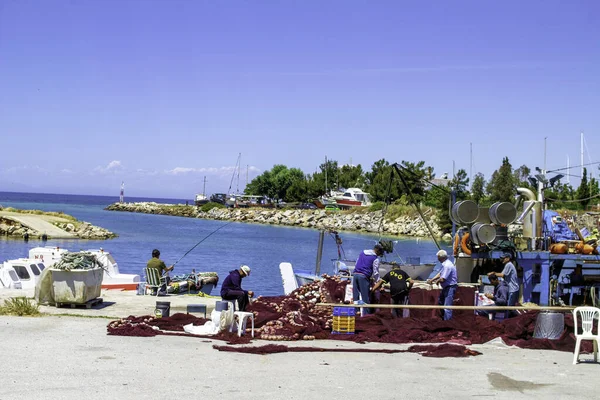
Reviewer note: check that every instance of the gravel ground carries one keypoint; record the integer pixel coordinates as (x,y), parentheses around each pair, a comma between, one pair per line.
(58,357)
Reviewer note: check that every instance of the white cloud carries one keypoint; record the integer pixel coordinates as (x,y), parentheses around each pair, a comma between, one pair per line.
(113,166)
(66,171)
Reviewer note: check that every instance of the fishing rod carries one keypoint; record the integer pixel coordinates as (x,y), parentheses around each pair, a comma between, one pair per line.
(206,237)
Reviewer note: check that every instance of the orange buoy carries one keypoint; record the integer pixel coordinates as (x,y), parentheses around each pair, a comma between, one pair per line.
(464,244)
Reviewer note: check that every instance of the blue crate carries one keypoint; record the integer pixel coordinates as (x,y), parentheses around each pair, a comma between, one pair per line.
(344,311)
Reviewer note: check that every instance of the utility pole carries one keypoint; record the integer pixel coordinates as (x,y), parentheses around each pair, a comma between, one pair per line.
(471,165)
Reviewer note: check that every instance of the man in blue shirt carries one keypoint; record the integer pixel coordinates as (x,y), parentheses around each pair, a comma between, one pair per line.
(509,274)
(367,268)
(448,280)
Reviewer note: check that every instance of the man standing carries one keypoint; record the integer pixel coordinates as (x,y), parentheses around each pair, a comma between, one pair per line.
(509,274)
(500,296)
(367,268)
(400,285)
(157,263)
(448,279)
(232,287)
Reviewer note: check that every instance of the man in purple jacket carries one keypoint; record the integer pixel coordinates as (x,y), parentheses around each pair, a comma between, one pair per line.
(232,287)
(367,268)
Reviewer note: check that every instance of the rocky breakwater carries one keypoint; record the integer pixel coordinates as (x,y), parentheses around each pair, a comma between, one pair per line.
(35,223)
(318,219)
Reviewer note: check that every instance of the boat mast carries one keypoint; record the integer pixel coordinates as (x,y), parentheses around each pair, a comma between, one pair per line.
(204,187)
(325,175)
(582,154)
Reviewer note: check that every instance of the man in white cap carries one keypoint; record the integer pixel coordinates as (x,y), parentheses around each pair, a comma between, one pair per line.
(232,287)
(448,280)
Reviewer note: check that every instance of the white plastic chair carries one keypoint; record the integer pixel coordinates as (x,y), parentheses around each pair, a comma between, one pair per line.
(241,317)
(588,315)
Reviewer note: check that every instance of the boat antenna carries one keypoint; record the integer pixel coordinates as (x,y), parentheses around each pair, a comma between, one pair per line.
(203,239)
(397,167)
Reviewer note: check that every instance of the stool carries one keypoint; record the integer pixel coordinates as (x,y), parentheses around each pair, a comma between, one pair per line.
(242,317)
(197,308)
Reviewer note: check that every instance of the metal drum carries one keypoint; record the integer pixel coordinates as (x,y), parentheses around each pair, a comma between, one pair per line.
(503,213)
(483,233)
(549,325)
(465,212)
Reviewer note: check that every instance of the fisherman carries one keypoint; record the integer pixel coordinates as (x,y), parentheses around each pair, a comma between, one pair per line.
(500,296)
(448,280)
(400,285)
(509,274)
(156,262)
(232,287)
(365,270)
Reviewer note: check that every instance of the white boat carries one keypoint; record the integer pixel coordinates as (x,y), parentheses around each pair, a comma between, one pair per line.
(22,273)
(200,199)
(113,279)
(353,197)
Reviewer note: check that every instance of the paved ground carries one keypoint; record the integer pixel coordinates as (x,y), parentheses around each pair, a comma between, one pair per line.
(68,357)
(40,223)
(64,357)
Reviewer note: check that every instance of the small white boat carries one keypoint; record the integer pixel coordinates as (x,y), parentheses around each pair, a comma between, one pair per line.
(22,273)
(353,197)
(113,279)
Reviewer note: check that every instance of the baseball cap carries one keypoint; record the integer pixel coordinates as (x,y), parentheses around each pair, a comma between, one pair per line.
(246,269)
(506,255)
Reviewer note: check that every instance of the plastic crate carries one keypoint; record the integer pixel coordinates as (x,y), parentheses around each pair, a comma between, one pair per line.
(343,325)
(344,311)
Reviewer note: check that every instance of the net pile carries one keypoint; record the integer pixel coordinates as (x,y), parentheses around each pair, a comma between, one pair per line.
(296,317)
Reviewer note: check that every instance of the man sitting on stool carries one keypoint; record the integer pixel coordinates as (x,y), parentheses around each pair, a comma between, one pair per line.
(500,296)
(232,287)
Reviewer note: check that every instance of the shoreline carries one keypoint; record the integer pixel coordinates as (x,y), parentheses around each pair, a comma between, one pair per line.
(17,223)
(365,222)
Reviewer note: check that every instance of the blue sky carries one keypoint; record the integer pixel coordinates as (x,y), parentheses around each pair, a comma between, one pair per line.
(160,94)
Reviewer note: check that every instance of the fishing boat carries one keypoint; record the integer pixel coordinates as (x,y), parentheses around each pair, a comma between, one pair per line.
(21,273)
(201,198)
(353,197)
(345,267)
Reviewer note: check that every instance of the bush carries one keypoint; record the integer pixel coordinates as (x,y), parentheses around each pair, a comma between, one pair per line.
(210,205)
(19,306)
(377,206)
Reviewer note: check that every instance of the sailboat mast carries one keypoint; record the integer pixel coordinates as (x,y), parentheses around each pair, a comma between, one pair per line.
(204,187)
(582,154)
(325,175)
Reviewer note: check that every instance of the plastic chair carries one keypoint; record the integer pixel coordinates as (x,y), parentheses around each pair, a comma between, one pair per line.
(154,280)
(242,317)
(588,315)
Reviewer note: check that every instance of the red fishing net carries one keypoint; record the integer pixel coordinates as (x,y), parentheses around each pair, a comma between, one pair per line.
(296,317)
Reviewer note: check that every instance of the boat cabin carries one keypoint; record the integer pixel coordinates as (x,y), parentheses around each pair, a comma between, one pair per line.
(22,273)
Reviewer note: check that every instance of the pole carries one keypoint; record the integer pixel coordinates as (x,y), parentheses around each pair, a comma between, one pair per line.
(325,175)
(545,154)
(204,187)
(319,253)
(568,171)
(471,166)
(397,168)
(582,154)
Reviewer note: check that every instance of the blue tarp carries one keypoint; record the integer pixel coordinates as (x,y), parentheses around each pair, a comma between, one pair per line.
(559,230)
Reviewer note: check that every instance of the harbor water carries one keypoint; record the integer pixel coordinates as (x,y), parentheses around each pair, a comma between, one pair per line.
(262,247)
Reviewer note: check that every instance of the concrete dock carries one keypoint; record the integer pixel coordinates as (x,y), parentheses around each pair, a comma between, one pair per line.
(64,357)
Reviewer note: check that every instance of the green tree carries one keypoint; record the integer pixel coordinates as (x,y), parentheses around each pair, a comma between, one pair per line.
(441,198)
(501,186)
(477,188)
(583,192)
(351,176)
(521,176)
(276,182)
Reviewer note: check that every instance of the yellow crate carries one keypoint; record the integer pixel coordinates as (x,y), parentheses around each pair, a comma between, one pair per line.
(343,324)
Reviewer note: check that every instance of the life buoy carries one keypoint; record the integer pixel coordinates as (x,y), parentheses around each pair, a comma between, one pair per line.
(464,244)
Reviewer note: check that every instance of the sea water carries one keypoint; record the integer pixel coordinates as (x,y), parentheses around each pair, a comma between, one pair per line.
(262,247)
